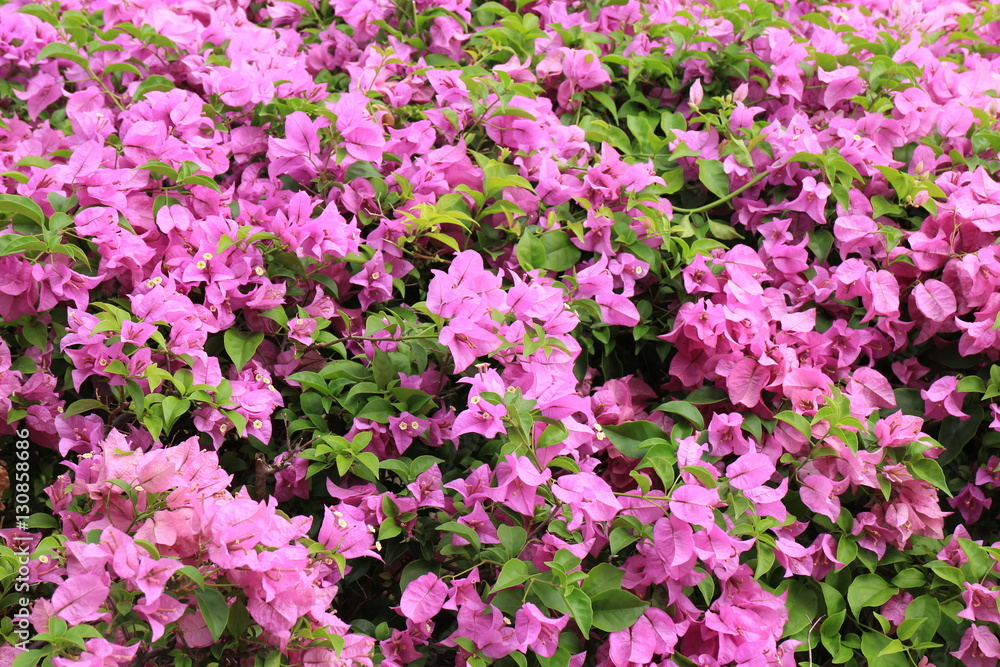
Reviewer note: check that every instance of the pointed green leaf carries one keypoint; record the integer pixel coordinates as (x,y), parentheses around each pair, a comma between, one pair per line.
(241,346)
(64,51)
(22,206)
(713,176)
(581,609)
(513,573)
(214,610)
(530,252)
(616,610)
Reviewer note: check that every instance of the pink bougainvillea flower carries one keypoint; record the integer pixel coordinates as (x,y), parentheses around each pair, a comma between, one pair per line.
(482,417)
(79,599)
(694,504)
(979,648)
(745,380)
(301,329)
(479,521)
(517,484)
(821,494)
(99,653)
(345,531)
(971,502)
(467,341)
(423,598)
(871,388)
(588,497)
(750,471)
(537,631)
(980,603)
(935,300)
(943,398)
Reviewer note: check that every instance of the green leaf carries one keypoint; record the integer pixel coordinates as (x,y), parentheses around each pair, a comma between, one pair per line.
(553,434)
(377,410)
(947,572)
(16,176)
(765,560)
(580,608)
(686,410)
(706,396)
(868,590)
(153,424)
(160,169)
(382,369)
(64,51)
(980,561)
(238,419)
(173,408)
(30,657)
(608,103)
(239,618)
(513,538)
(40,11)
(311,380)
(930,470)
(616,610)
(832,598)
(620,538)
(796,421)
(115,68)
(873,644)
(955,433)
(36,334)
(192,573)
(908,627)
(928,609)
(802,606)
(847,550)
(241,347)
(203,180)
(560,254)
(663,460)
(909,401)
(702,475)
(514,573)
(461,530)
(151,83)
(603,577)
(633,438)
(84,404)
(911,577)
(972,383)
(42,521)
(214,610)
(33,161)
(831,626)
(894,646)
(370,464)
(445,239)
(22,206)
(713,176)
(530,252)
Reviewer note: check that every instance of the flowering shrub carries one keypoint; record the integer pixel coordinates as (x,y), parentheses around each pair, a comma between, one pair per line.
(360,332)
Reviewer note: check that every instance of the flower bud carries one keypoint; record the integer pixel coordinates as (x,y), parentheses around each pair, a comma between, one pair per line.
(697,93)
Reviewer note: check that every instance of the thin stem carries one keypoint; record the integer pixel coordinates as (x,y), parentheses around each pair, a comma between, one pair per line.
(398,339)
(754,181)
(107,91)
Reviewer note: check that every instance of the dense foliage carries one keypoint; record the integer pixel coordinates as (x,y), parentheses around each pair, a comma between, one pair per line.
(432,332)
